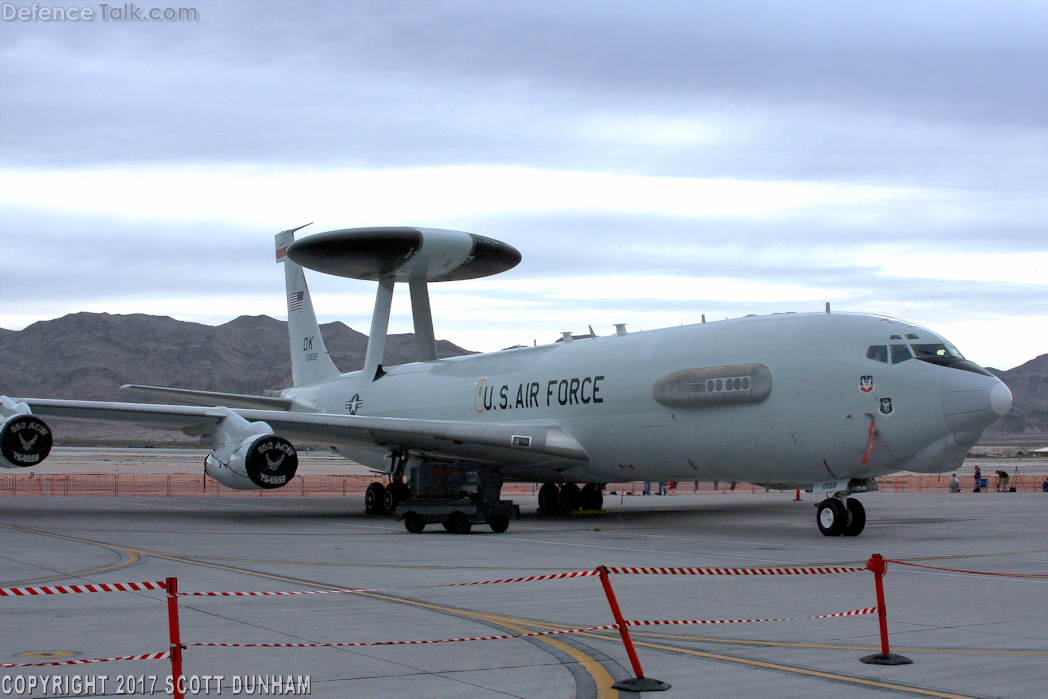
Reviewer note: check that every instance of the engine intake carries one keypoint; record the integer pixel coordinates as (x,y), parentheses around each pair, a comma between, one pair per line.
(260,462)
(25,440)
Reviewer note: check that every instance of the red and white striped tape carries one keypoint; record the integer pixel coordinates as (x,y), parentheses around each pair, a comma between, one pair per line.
(735,571)
(868,610)
(148,656)
(608,627)
(530,578)
(69,589)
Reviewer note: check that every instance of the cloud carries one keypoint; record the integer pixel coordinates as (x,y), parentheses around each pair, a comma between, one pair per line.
(653,162)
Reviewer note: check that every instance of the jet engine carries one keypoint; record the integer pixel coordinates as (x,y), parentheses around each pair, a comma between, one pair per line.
(25,439)
(250,456)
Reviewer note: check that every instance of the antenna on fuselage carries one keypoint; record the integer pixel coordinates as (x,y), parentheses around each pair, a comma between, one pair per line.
(414,255)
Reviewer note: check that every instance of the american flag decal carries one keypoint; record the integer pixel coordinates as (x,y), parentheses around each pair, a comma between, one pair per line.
(294,301)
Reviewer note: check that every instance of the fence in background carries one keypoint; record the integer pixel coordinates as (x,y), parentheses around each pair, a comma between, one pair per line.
(196,485)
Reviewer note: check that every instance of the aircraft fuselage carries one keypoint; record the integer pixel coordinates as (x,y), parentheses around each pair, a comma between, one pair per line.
(814,425)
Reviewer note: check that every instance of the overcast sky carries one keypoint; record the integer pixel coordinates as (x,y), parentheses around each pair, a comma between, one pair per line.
(652,161)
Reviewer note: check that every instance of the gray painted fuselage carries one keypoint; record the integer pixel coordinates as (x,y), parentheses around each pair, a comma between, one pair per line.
(815,425)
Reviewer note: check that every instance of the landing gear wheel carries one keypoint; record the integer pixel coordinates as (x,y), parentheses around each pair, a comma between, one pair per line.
(389,501)
(413,523)
(498,523)
(832,517)
(373,498)
(592,498)
(549,497)
(458,523)
(570,498)
(856,518)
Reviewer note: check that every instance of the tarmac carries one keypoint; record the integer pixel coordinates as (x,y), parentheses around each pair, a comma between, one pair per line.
(968,635)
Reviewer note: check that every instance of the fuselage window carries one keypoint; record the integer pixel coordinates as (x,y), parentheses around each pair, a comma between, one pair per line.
(931,350)
(878,353)
(900,353)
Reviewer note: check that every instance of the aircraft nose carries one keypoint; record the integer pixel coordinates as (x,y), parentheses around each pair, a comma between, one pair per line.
(1000,399)
(973,401)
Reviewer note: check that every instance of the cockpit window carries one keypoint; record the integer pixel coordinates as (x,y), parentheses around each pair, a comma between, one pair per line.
(895,337)
(932,350)
(878,353)
(900,353)
(911,336)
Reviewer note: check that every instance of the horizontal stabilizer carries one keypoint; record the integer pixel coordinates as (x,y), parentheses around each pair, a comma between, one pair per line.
(230,400)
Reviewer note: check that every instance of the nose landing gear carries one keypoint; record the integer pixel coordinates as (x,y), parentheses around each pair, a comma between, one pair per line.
(836,518)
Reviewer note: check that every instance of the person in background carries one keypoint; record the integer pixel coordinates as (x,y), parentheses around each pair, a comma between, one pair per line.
(1044,486)
(978,479)
(647,488)
(1002,481)
(662,488)
(955,484)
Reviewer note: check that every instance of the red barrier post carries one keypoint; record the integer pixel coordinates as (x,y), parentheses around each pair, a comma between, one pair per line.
(878,566)
(640,683)
(176,642)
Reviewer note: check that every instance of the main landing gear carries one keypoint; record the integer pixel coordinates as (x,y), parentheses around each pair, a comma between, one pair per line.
(383,499)
(567,498)
(836,518)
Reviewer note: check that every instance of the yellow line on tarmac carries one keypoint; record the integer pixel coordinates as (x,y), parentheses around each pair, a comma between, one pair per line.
(795,670)
(785,644)
(132,558)
(600,676)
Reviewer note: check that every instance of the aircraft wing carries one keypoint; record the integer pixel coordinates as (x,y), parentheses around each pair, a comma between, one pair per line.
(193,397)
(494,442)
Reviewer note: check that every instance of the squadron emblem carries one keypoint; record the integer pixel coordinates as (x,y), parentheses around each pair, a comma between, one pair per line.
(886,406)
(865,384)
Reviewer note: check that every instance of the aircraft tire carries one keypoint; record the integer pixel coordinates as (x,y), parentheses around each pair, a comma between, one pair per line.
(373,498)
(832,517)
(390,499)
(592,498)
(570,498)
(413,523)
(458,523)
(549,497)
(498,523)
(856,518)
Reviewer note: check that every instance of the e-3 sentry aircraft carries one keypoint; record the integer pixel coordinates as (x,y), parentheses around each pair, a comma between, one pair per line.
(821,401)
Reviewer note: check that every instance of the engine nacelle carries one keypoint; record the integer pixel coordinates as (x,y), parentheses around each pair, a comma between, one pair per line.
(25,440)
(260,462)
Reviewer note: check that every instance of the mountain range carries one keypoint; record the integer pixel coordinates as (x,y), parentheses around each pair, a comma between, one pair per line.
(89,356)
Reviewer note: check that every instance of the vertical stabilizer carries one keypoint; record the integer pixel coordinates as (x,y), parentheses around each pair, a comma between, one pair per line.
(310,362)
